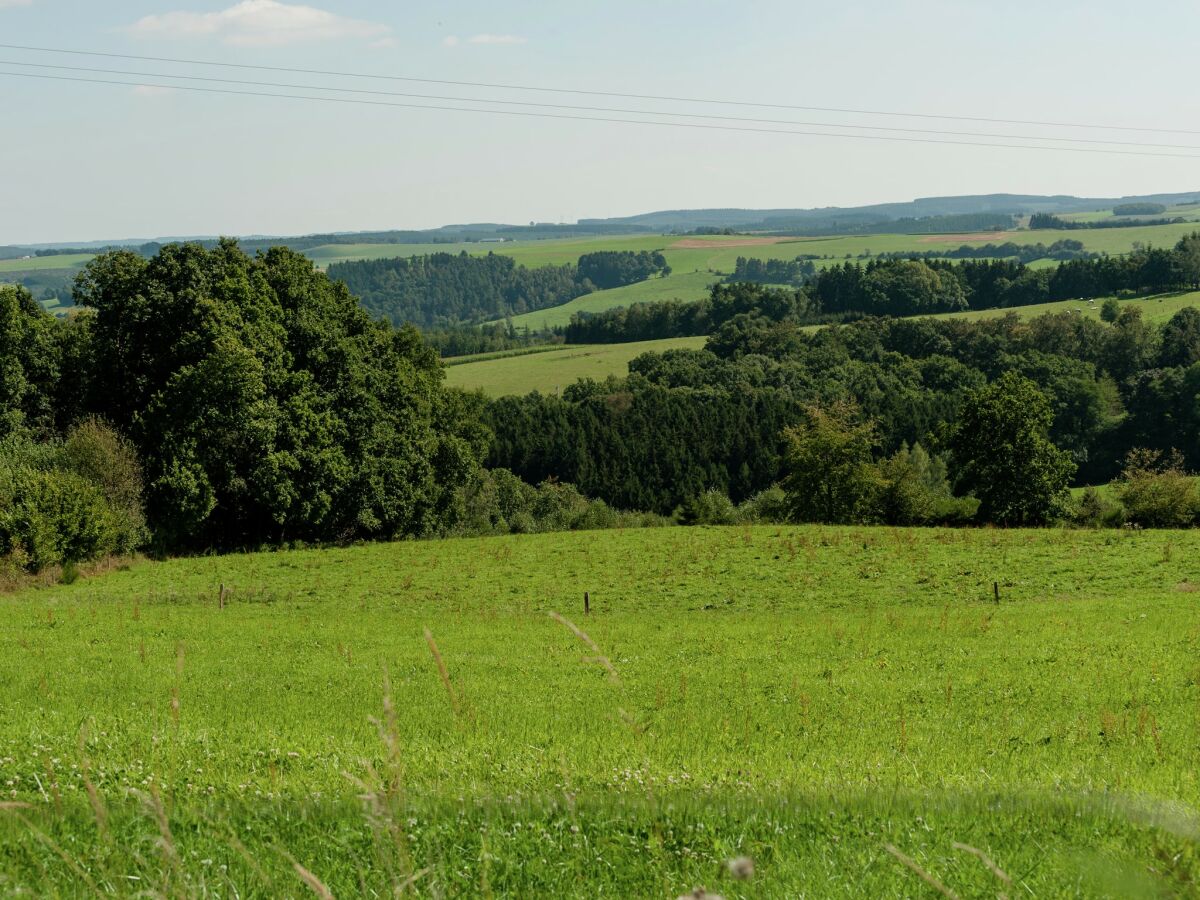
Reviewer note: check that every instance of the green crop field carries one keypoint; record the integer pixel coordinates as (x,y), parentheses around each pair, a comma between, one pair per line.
(803,696)
(553,370)
(43,263)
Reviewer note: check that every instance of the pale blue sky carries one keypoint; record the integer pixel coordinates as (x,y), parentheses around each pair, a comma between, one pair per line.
(88,161)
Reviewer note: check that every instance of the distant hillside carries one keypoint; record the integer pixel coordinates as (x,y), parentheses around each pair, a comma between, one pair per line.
(921,216)
(818,219)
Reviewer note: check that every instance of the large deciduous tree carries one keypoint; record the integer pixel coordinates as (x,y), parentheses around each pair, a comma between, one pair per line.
(266,404)
(1002,454)
(829,472)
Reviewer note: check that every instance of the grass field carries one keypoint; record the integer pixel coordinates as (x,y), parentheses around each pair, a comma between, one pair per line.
(1157,309)
(802,696)
(1190,211)
(689,286)
(554,370)
(44,263)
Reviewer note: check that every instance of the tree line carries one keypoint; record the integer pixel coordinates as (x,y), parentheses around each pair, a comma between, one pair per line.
(906,287)
(1039,221)
(1060,251)
(687,421)
(444,290)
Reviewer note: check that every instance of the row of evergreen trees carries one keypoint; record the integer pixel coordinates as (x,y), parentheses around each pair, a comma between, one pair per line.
(444,290)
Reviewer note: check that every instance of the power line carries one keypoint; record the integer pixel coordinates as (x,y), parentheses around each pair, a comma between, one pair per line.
(557,90)
(602,119)
(603,109)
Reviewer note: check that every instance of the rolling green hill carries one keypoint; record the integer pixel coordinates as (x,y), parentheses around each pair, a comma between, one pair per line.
(802,696)
(553,370)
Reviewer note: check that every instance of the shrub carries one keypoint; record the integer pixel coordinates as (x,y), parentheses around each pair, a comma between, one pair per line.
(498,502)
(768,507)
(710,508)
(68,502)
(1094,510)
(95,451)
(54,516)
(1156,491)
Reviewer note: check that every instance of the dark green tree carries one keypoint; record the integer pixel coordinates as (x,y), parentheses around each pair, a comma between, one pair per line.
(1003,457)
(266,404)
(1181,339)
(829,473)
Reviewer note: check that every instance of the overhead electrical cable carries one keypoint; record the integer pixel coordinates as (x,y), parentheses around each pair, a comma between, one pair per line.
(602,119)
(602,109)
(596,93)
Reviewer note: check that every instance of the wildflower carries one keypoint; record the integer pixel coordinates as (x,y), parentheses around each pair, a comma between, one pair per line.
(741,868)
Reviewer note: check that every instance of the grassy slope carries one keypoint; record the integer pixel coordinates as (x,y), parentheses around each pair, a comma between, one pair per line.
(43,263)
(798,694)
(1156,309)
(553,370)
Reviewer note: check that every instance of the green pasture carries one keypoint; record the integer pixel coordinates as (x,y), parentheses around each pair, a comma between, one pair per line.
(1190,211)
(553,370)
(687,286)
(802,696)
(1157,309)
(44,263)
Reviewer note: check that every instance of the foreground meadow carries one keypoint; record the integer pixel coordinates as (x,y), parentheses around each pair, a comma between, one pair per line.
(274,724)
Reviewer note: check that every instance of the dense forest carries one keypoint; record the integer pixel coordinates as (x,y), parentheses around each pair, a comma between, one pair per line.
(905,287)
(798,271)
(1060,251)
(853,222)
(443,290)
(1049,221)
(263,402)
(687,421)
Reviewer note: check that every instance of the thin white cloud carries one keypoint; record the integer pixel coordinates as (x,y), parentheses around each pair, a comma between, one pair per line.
(259,23)
(450,40)
(6,3)
(495,39)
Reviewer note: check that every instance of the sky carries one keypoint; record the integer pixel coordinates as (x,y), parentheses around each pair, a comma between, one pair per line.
(82,160)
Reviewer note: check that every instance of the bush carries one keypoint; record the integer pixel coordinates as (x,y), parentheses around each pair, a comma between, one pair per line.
(96,452)
(766,507)
(54,516)
(1094,510)
(1156,491)
(68,502)
(498,502)
(710,508)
